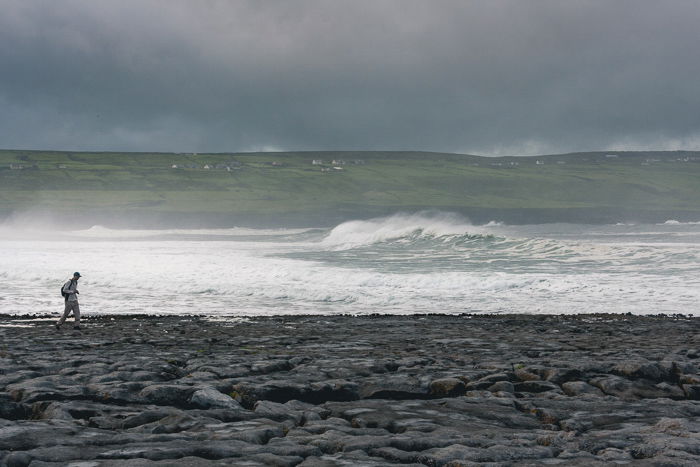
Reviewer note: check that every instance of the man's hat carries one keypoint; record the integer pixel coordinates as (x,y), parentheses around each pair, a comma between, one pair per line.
(77,274)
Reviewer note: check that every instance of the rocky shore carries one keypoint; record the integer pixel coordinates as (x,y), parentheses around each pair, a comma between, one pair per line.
(351,391)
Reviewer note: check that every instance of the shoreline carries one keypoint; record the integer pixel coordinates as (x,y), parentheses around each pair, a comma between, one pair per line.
(372,390)
(97,316)
(147,220)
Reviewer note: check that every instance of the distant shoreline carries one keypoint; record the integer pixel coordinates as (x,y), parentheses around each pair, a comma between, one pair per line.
(325,219)
(292,189)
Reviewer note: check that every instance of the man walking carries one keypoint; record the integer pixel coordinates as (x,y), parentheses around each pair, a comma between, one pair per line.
(70,291)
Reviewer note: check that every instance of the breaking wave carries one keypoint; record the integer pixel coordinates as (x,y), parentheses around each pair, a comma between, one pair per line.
(406,263)
(675,222)
(404,228)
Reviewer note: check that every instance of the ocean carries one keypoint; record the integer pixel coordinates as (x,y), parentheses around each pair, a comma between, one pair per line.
(401,264)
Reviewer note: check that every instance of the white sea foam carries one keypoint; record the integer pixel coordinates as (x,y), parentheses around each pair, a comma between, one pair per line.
(399,264)
(366,232)
(98,231)
(675,222)
(50,232)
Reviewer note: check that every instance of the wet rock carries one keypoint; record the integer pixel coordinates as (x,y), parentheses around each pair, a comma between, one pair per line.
(274,366)
(277,411)
(639,389)
(578,388)
(207,398)
(485,382)
(447,387)
(287,448)
(154,452)
(394,455)
(148,416)
(11,410)
(536,386)
(525,374)
(167,394)
(17,459)
(643,451)
(52,411)
(335,441)
(689,379)
(397,388)
(502,386)
(254,431)
(275,391)
(331,423)
(642,370)
(498,453)
(332,390)
(560,376)
(692,391)
(314,461)
(45,388)
(343,390)
(174,423)
(277,461)
(615,455)
(26,436)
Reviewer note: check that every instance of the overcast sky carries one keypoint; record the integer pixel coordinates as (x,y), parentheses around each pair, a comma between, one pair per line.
(482,77)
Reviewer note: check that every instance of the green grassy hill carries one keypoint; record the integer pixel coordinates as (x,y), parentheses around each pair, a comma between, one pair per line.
(282,187)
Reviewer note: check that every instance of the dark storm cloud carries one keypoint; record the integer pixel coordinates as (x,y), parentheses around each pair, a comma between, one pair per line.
(483,77)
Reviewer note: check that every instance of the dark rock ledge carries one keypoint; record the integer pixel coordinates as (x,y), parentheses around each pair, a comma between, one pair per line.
(351,391)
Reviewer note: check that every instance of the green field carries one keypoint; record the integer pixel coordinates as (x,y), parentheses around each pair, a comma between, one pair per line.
(654,185)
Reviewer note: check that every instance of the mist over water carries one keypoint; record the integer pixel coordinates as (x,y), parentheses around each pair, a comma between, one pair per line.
(402,264)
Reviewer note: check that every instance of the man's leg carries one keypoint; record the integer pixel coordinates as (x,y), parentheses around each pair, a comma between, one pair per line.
(76,313)
(66,312)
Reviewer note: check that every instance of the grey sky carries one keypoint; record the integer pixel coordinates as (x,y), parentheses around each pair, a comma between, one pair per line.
(482,77)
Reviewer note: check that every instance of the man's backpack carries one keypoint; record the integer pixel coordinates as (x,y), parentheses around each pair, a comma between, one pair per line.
(64,294)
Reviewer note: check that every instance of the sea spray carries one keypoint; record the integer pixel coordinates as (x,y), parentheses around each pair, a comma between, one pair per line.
(400,226)
(401,264)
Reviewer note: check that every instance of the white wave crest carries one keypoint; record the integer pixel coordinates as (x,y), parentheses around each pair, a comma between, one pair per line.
(675,222)
(383,229)
(525,273)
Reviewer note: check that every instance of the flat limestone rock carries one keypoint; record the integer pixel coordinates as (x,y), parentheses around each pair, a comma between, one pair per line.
(207,398)
(462,390)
